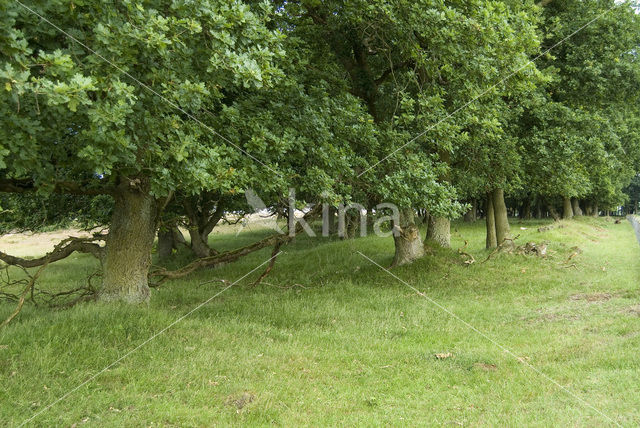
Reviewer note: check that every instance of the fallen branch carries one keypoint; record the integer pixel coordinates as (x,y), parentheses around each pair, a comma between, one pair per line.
(27,289)
(499,247)
(272,262)
(471,260)
(277,239)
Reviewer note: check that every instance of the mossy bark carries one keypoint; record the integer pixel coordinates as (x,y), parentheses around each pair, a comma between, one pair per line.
(439,231)
(128,247)
(200,243)
(406,236)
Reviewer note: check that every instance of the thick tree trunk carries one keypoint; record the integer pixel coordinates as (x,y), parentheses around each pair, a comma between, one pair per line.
(165,244)
(553,212)
(406,236)
(439,231)
(588,208)
(199,243)
(595,212)
(128,248)
(575,205)
(491,240)
(567,209)
(501,218)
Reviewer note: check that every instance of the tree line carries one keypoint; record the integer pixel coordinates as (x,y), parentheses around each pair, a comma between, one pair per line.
(143,116)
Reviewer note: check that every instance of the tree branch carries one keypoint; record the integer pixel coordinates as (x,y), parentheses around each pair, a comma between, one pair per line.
(71,188)
(275,240)
(63,250)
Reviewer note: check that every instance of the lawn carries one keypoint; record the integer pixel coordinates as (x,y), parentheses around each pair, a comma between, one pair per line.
(330,339)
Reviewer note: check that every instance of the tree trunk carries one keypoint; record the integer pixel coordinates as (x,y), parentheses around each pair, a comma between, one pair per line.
(567,209)
(538,210)
(553,212)
(491,240)
(575,205)
(439,231)
(525,210)
(596,212)
(472,215)
(165,244)
(199,243)
(128,247)
(332,225)
(406,236)
(500,214)
(588,208)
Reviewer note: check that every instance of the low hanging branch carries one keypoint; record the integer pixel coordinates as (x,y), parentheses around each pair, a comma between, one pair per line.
(62,250)
(275,240)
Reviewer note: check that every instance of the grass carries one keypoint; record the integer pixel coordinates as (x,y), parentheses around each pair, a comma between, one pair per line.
(330,339)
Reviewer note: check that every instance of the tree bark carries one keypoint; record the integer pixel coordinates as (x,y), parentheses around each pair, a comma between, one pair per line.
(199,243)
(595,212)
(575,205)
(439,231)
(333,228)
(128,249)
(406,236)
(567,209)
(500,214)
(553,212)
(491,241)
(525,210)
(165,244)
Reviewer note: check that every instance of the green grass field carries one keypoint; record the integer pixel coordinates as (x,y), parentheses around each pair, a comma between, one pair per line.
(330,339)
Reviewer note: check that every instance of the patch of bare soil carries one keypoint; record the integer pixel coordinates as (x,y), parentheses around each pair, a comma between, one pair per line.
(486,367)
(633,310)
(591,297)
(241,400)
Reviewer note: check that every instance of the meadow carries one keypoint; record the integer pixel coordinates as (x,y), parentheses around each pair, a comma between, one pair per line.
(328,338)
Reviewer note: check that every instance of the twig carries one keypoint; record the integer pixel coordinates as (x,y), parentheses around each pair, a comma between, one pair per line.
(23,295)
(499,247)
(471,259)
